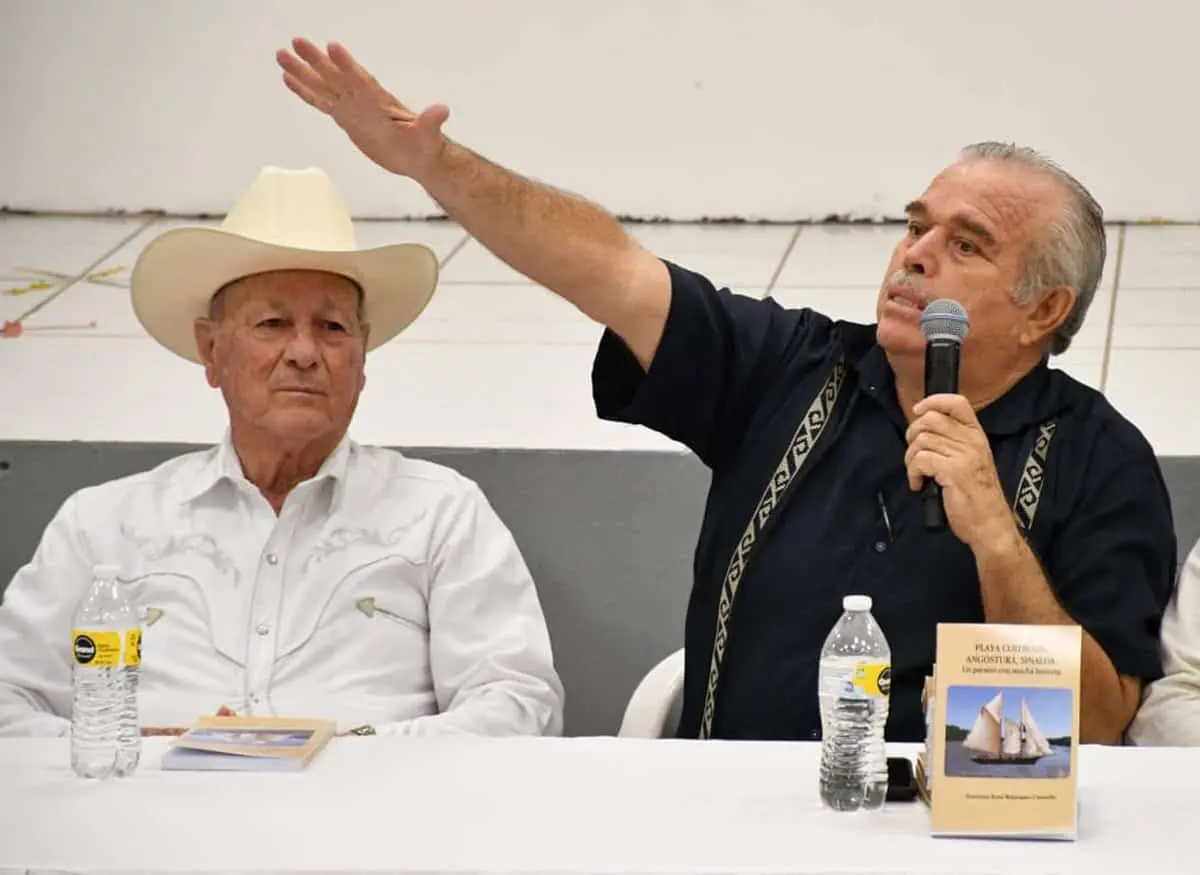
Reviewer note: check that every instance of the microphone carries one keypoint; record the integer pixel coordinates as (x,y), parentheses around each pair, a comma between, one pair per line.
(945,325)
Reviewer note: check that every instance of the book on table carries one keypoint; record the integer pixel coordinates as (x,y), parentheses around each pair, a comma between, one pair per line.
(1002,757)
(249,744)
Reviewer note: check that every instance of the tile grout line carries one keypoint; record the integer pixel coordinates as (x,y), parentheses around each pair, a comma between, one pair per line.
(787,253)
(1112,310)
(454,250)
(74,281)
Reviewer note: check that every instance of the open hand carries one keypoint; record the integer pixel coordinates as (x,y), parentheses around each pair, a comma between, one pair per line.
(384,129)
(947,443)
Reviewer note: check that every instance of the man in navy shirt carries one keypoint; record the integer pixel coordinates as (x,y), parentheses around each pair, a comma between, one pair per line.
(1056,506)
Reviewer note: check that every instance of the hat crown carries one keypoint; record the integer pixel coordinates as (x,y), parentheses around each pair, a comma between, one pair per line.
(300,209)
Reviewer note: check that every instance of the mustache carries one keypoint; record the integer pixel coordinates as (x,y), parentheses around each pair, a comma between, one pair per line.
(913,282)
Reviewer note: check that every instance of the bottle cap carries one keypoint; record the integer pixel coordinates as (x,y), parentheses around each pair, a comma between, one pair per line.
(106,572)
(856,603)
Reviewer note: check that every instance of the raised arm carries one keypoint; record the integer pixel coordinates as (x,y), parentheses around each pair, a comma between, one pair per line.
(561,241)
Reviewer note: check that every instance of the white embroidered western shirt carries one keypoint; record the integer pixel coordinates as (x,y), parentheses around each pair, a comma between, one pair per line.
(387,592)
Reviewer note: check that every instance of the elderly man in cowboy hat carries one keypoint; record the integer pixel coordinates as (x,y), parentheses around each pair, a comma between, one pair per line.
(289,570)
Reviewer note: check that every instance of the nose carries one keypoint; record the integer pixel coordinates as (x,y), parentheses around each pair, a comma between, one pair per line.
(920,256)
(301,351)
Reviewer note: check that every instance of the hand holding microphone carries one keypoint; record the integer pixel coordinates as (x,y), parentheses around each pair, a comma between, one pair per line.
(949,458)
(945,325)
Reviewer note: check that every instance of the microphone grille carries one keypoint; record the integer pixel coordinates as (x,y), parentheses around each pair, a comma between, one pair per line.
(945,319)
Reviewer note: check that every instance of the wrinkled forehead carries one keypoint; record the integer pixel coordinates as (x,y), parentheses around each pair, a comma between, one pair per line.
(1012,201)
(290,289)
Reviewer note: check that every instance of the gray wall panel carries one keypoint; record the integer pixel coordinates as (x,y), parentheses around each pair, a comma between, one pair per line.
(608,535)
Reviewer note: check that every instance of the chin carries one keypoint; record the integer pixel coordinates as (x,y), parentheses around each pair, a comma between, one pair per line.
(297,423)
(899,338)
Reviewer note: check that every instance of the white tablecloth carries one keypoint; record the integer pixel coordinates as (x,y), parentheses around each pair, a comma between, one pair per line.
(559,806)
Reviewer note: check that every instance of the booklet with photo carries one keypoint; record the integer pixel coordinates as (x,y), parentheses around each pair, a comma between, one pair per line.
(249,744)
(1003,754)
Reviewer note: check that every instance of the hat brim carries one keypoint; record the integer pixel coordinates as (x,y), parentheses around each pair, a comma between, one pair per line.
(177,274)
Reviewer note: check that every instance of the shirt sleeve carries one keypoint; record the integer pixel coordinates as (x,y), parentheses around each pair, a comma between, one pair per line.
(35,631)
(489,647)
(716,359)
(1113,563)
(1170,709)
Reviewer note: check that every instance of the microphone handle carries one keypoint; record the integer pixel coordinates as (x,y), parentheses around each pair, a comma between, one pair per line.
(941,377)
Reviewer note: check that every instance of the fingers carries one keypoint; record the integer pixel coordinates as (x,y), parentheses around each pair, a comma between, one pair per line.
(341,58)
(936,422)
(325,80)
(920,466)
(927,456)
(312,77)
(317,60)
(931,442)
(303,80)
(954,406)
(306,94)
(969,434)
(357,77)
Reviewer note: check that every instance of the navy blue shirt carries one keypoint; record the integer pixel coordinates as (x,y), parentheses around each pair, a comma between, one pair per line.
(732,377)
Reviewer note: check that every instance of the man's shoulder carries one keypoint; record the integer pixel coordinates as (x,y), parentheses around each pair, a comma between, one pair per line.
(800,319)
(1100,423)
(149,486)
(393,471)
(395,489)
(1105,460)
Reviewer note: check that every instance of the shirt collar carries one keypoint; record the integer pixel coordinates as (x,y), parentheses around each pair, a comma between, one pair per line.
(1028,402)
(222,466)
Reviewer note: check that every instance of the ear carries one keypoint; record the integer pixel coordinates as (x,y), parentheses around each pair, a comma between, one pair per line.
(205,332)
(1047,312)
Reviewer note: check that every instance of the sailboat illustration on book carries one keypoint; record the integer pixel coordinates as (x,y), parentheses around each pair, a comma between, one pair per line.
(996,739)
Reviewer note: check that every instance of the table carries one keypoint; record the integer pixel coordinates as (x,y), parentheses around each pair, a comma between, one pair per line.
(562,806)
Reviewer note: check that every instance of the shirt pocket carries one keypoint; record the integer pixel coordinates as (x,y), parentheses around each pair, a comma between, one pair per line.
(189,608)
(369,628)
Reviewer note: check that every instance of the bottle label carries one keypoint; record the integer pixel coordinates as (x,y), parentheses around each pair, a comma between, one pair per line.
(873,679)
(133,647)
(107,648)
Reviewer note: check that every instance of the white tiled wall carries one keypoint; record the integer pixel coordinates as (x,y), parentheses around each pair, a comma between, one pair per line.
(496,361)
(683,109)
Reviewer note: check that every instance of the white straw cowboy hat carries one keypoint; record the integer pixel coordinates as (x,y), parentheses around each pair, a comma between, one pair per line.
(286,220)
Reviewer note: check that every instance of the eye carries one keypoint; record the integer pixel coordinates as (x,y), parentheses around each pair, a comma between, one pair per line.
(335,326)
(914,230)
(965,247)
(271,322)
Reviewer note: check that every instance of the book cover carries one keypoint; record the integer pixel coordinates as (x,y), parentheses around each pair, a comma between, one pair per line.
(249,744)
(1004,751)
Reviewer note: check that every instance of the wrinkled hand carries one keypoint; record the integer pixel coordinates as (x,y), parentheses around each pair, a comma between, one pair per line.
(946,442)
(384,129)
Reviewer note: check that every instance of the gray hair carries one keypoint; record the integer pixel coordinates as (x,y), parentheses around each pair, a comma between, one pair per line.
(1071,254)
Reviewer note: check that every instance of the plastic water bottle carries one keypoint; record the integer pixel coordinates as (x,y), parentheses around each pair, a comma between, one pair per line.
(854,689)
(106,645)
